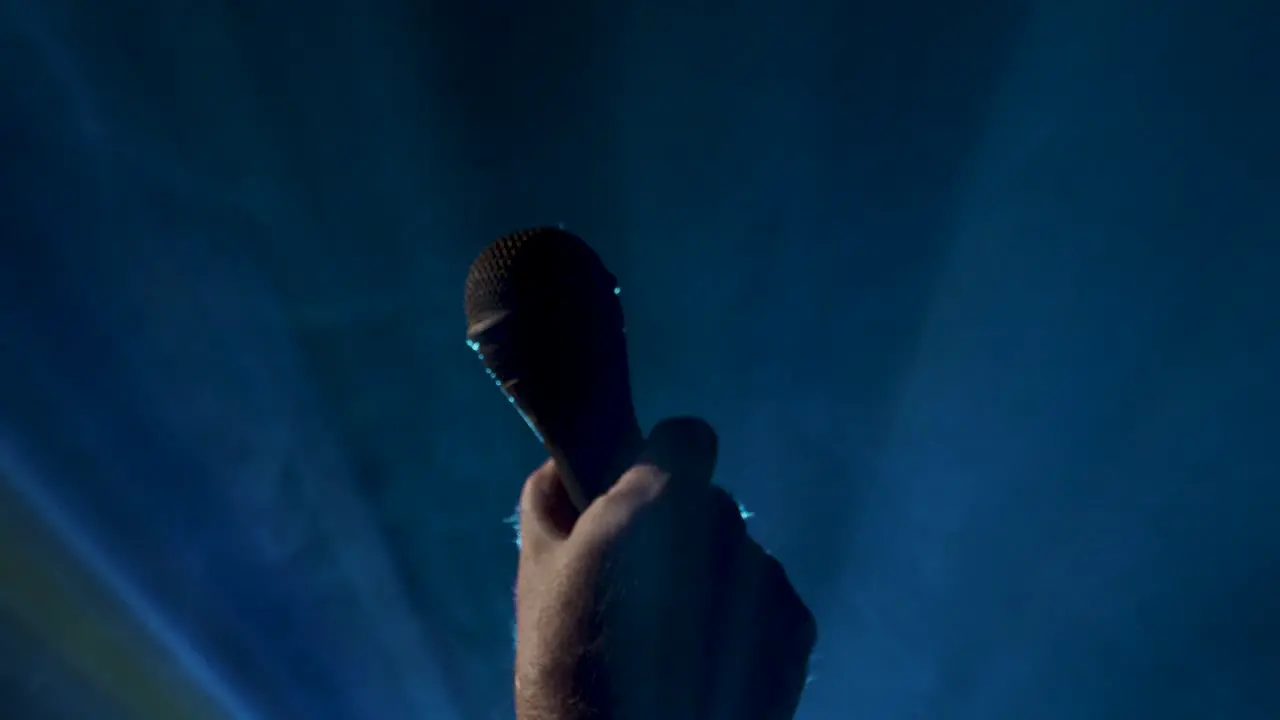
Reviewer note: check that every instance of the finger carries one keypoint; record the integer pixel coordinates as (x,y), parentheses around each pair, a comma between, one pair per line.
(765,631)
(653,526)
(784,643)
(547,514)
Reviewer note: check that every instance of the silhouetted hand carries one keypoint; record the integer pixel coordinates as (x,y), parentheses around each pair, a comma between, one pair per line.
(654,604)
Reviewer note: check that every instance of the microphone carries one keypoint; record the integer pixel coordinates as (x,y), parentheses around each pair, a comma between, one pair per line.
(544,315)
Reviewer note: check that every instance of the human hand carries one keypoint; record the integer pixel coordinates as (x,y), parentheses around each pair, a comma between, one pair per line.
(654,603)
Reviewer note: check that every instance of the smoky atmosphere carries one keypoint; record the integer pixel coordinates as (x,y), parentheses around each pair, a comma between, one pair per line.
(981,299)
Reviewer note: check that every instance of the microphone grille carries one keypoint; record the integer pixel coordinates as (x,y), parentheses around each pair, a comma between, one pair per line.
(537,267)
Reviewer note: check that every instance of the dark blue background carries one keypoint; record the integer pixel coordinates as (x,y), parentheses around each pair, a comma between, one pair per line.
(981,297)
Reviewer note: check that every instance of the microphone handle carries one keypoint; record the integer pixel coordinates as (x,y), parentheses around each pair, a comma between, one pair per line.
(573,390)
(592,457)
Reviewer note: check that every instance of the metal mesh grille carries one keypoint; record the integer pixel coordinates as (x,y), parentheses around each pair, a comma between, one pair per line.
(530,268)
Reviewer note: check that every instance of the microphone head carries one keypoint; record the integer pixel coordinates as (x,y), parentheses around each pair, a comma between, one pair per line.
(544,315)
(548,273)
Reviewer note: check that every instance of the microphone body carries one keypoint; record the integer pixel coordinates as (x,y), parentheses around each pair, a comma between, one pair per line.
(545,317)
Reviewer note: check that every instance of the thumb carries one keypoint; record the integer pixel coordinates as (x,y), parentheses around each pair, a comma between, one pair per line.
(676,463)
(684,448)
(547,514)
(674,467)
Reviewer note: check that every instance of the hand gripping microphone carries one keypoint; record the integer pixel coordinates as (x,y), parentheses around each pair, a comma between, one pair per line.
(544,315)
